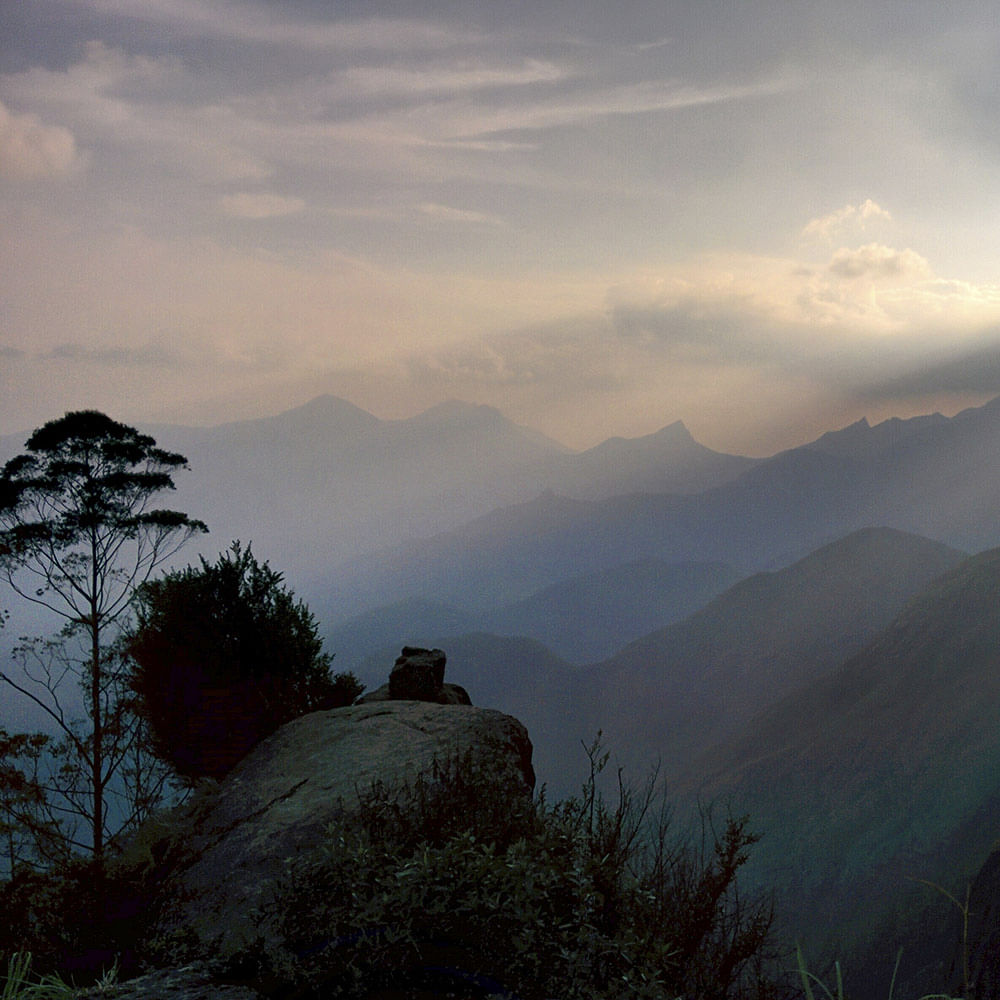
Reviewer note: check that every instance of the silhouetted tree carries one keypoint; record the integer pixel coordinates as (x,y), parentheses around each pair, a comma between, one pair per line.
(224,655)
(78,533)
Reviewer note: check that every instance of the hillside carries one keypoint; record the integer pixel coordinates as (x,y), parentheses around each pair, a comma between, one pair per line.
(582,620)
(591,617)
(678,690)
(886,768)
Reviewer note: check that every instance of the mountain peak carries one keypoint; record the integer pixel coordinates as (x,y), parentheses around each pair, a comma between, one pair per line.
(458,409)
(676,432)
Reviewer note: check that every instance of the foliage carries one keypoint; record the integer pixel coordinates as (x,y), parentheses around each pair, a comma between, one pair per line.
(46,782)
(77,534)
(78,921)
(812,983)
(28,831)
(579,900)
(224,655)
(20,984)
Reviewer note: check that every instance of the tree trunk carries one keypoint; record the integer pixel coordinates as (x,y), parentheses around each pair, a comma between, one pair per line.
(97,754)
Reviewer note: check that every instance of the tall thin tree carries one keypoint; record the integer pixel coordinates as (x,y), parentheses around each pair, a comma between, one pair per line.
(78,533)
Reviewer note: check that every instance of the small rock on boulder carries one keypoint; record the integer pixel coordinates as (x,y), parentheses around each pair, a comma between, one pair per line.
(418,675)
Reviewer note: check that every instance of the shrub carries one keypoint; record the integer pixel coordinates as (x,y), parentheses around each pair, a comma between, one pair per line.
(224,655)
(77,921)
(432,887)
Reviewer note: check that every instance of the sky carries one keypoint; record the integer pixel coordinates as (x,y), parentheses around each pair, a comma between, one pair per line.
(766,219)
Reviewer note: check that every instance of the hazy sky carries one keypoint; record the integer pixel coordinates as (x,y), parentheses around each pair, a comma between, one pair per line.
(765,219)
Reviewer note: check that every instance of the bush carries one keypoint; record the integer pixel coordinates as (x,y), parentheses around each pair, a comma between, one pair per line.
(224,655)
(432,889)
(78,921)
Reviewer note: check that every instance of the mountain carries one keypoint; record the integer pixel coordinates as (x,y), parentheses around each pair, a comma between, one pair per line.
(931,476)
(315,484)
(883,770)
(591,617)
(668,461)
(671,694)
(582,620)
(326,481)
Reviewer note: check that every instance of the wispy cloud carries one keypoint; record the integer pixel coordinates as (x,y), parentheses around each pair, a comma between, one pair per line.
(30,149)
(627,100)
(248,205)
(248,21)
(446,213)
(460,76)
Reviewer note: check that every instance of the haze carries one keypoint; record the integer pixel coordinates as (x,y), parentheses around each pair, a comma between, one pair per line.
(764,219)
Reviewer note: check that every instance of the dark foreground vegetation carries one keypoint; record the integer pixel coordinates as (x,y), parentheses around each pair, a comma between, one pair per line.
(442,885)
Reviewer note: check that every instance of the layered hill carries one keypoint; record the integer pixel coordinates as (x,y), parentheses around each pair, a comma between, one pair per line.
(931,475)
(674,692)
(885,769)
(581,620)
(327,480)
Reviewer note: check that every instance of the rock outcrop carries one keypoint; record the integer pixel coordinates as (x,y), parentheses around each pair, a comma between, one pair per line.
(418,675)
(191,982)
(226,856)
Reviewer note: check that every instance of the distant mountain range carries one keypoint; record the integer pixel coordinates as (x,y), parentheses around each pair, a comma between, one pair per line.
(581,620)
(931,476)
(318,484)
(672,694)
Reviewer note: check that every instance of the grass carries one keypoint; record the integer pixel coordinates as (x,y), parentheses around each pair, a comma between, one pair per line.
(812,983)
(20,983)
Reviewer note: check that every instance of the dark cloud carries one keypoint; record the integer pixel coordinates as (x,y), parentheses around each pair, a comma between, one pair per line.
(974,371)
(147,356)
(712,332)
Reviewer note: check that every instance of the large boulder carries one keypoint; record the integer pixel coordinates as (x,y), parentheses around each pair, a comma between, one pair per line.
(226,856)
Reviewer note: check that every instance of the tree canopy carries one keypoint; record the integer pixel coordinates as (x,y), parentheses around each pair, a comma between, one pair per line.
(78,533)
(224,654)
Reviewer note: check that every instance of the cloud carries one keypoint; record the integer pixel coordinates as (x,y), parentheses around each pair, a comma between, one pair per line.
(962,370)
(30,149)
(150,355)
(850,217)
(461,77)
(458,215)
(260,206)
(257,23)
(879,262)
(625,100)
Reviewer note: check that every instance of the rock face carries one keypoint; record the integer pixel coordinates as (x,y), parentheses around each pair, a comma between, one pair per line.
(226,853)
(193,982)
(418,675)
